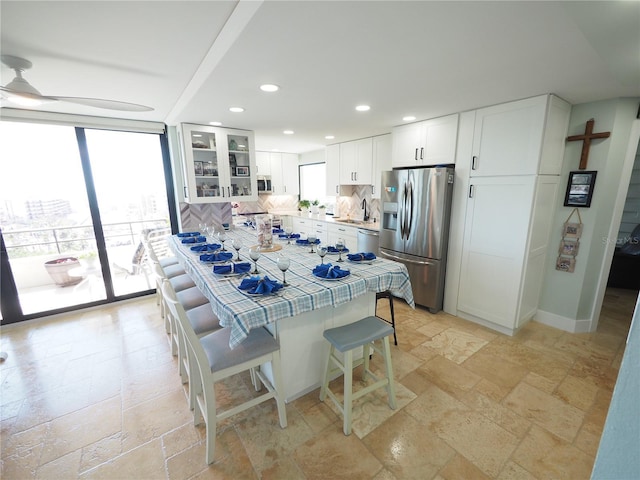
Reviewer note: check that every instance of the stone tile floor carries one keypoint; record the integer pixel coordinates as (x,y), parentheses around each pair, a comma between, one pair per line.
(96,394)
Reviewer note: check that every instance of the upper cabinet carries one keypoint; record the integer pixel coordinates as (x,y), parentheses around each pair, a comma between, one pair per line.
(263,163)
(218,164)
(284,174)
(381,161)
(421,144)
(520,138)
(356,159)
(332,169)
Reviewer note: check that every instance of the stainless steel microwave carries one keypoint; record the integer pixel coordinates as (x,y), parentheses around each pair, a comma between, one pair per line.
(264,184)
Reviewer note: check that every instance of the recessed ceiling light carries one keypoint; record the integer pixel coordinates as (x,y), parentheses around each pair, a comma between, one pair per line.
(330,137)
(216,124)
(236,109)
(363,108)
(408,118)
(269,87)
(288,132)
(197,135)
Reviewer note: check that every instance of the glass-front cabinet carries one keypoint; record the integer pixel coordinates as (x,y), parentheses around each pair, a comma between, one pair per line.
(219,164)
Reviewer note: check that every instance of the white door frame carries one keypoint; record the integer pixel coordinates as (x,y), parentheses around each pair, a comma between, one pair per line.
(625,177)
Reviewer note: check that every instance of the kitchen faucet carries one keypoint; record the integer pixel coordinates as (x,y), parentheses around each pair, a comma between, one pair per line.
(364,206)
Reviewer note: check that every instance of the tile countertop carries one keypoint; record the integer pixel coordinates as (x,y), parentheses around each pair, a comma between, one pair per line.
(375,226)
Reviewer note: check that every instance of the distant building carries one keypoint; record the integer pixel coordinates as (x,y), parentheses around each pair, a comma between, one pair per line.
(47,208)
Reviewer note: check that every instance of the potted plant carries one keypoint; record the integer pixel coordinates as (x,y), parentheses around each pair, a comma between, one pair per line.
(304,205)
(322,209)
(314,207)
(59,268)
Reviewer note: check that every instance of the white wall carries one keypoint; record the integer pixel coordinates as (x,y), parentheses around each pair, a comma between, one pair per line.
(571,298)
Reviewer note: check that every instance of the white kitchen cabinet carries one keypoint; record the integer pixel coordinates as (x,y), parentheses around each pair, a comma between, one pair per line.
(506,235)
(356,162)
(263,163)
(301,224)
(283,170)
(290,174)
(319,228)
(520,138)
(332,169)
(381,161)
(426,143)
(218,164)
(350,235)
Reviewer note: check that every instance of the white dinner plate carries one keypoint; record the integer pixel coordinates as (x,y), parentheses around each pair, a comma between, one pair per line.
(332,279)
(362,262)
(246,292)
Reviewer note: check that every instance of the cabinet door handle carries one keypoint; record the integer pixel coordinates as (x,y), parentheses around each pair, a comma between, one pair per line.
(415,157)
(337,187)
(421,153)
(470,191)
(373,189)
(355,176)
(185,192)
(474,161)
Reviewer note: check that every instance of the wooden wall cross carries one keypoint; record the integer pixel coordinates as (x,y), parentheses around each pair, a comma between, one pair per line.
(586,138)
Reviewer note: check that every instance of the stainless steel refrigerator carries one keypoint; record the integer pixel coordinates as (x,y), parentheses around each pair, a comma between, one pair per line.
(416,206)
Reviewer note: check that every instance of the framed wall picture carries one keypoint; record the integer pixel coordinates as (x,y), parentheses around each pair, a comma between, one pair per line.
(580,188)
(566,264)
(572,230)
(569,247)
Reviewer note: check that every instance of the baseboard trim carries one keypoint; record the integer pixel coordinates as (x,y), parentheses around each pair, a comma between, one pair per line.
(563,323)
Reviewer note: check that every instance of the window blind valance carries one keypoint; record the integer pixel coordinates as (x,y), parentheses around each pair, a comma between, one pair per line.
(86,121)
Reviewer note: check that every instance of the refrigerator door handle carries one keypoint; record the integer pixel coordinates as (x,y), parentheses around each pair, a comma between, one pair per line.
(410,201)
(404,196)
(400,259)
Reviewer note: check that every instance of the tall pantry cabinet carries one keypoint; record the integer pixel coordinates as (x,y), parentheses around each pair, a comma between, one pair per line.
(516,159)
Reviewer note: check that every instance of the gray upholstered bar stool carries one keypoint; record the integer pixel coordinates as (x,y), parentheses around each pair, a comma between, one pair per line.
(363,333)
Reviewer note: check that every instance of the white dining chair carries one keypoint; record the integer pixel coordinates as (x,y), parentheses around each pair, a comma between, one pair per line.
(210,359)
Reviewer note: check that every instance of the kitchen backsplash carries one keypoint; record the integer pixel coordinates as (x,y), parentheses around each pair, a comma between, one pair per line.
(191,215)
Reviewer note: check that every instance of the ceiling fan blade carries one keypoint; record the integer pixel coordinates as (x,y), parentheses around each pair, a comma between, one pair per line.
(108,104)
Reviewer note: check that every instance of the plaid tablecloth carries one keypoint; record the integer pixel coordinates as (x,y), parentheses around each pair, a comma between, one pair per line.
(242,312)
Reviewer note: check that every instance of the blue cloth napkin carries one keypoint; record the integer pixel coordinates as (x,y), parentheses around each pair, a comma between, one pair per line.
(210,247)
(330,271)
(293,235)
(332,249)
(277,230)
(358,257)
(306,242)
(243,267)
(188,234)
(198,239)
(216,257)
(257,285)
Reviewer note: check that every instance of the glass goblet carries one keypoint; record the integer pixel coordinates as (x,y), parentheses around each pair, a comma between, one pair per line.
(254,254)
(340,247)
(222,236)
(237,245)
(322,251)
(283,265)
(288,231)
(312,241)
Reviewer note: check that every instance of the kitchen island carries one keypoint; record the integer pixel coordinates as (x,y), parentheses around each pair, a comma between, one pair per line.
(300,312)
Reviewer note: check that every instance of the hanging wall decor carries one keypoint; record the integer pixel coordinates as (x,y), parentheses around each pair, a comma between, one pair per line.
(580,188)
(570,243)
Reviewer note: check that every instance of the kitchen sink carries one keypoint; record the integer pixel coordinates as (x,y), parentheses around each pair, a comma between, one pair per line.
(348,220)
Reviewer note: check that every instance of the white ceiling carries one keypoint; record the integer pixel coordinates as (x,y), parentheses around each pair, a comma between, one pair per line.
(192,60)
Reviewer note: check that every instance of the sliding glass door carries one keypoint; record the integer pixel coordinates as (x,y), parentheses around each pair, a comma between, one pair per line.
(73,206)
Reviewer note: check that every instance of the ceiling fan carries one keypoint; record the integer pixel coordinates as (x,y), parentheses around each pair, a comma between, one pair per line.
(21,92)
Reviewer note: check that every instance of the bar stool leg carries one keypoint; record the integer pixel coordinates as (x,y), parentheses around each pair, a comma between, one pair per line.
(387,364)
(325,377)
(348,390)
(393,319)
